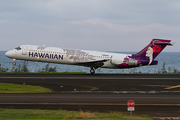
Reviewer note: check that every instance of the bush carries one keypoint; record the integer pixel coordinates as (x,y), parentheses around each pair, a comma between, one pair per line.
(21,68)
(48,69)
(3,69)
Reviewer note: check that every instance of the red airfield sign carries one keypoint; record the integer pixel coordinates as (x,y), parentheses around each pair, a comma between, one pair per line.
(131,103)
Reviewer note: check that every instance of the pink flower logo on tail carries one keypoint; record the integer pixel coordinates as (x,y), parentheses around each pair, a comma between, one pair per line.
(156,49)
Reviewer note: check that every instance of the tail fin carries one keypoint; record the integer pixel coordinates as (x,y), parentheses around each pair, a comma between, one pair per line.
(152,50)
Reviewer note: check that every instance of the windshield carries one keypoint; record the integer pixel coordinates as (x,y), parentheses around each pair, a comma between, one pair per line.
(18,48)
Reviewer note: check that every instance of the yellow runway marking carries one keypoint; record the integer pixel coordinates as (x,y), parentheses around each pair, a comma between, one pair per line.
(165,86)
(157,85)
(171,87)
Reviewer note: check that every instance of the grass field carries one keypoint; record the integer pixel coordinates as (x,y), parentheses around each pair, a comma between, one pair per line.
(64,72)
(27,114)
(15,88)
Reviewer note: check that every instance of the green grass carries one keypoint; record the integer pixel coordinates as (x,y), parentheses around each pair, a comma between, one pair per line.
(15,88)
(61,72)
(42,72)
(26,114)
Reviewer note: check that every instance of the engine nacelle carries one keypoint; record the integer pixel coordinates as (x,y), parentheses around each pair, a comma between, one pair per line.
(116,61)
(123,61)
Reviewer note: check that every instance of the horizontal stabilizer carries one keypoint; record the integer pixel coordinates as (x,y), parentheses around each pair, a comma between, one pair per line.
(162,43)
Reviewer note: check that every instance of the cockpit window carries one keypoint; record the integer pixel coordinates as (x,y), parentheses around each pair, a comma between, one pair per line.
(18,48)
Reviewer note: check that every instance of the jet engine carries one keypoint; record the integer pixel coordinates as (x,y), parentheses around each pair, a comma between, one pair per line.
(123,61)
(116,61)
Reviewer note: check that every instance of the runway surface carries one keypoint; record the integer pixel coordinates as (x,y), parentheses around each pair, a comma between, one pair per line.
(156,95)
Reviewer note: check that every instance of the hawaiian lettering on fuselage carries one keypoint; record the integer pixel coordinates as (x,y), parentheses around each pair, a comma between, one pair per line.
(46,55)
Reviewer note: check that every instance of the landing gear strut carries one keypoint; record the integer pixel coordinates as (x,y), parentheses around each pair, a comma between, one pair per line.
(14,63)
(92,71)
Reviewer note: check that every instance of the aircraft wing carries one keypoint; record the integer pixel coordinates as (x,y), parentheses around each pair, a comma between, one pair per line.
(94,63)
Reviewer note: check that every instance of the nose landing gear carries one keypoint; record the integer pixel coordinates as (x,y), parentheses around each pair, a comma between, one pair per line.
(14,63)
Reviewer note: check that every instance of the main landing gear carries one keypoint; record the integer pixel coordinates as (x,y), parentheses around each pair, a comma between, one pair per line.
(92,71)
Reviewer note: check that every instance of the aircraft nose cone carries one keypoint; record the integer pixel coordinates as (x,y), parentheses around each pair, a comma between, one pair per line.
(8,54)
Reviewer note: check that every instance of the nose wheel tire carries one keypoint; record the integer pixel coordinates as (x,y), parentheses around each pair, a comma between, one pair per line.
(92,71)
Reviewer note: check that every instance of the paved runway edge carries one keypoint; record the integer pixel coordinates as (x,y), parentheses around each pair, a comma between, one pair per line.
(99,104)
(154,94)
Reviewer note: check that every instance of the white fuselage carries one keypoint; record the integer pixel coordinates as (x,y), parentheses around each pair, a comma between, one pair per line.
(66,56)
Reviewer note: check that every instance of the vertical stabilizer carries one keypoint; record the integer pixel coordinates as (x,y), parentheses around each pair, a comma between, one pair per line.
(152,50)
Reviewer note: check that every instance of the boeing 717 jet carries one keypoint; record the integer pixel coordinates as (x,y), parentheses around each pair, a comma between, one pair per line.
(92,59)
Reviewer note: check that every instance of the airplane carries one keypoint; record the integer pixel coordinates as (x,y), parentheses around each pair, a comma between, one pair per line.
(92,59)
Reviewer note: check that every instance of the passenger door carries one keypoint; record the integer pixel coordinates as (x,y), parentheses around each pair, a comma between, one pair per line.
(24,50)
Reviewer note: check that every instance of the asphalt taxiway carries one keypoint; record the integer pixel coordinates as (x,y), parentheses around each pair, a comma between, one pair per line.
(154,94)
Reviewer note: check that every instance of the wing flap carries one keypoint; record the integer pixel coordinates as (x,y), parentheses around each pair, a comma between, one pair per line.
(93,64)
